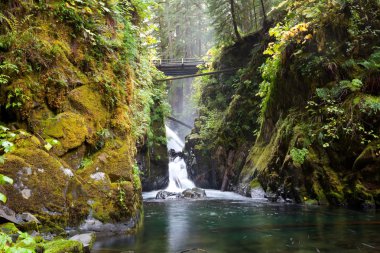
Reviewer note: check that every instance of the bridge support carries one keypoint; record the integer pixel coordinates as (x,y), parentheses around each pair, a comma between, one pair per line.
(179,122)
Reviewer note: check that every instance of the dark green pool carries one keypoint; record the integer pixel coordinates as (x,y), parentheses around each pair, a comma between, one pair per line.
(218,226)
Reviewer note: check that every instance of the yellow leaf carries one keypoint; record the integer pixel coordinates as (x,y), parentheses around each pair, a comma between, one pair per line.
(308,37)
(88,10)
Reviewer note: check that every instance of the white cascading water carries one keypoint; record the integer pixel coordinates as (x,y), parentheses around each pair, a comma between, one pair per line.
(178,178)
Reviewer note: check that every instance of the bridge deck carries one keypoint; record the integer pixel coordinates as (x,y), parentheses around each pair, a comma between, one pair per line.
(178,67)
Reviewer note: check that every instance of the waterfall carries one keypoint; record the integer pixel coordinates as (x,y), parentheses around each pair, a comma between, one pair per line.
(174,142)
(178,178)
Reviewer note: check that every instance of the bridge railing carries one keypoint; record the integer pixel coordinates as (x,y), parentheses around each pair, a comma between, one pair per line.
(192,61)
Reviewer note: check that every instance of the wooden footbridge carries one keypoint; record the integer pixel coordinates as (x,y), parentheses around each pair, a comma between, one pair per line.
(179,67)
(184,68)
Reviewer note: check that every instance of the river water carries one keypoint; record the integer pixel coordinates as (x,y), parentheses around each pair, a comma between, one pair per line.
(228,224)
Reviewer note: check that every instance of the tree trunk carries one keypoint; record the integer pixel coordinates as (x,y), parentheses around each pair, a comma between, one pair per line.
(234,23)
(227,172)
(255,13)
(264,13)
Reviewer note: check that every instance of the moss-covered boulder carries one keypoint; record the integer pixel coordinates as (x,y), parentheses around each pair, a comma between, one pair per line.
(68,128)
(88,102)
(113,184)
(40,183)
(63,246)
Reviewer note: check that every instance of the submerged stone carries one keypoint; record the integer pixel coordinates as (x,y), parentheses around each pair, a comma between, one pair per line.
(87,240)
(193,193)
(166,194)
(94,225)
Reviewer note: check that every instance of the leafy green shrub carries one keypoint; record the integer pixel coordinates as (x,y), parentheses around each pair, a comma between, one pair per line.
(373,62)
(24,244)
(50,143)
(6,142)
(298,155)
(136,177)
(6,70)
(4,180)
(87,161)
(16,98)
(370,105)
(331,117)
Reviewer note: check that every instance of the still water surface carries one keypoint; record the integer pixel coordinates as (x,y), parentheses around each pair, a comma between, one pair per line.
(240,225)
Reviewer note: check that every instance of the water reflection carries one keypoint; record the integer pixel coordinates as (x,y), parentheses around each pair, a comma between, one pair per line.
(178,229)
(218,226)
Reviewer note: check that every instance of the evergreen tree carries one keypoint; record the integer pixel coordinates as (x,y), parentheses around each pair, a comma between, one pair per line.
(184,29)
(234,18)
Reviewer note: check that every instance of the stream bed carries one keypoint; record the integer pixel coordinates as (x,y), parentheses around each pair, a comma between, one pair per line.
(226,222)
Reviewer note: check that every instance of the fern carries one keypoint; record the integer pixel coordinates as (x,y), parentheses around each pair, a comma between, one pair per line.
(15,25)
(373,62)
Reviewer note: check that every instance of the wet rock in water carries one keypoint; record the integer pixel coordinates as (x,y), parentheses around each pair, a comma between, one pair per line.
(86,239)
(271,196)
(94,225)
(166,194)
(173,154)
(194,193)
(257,193)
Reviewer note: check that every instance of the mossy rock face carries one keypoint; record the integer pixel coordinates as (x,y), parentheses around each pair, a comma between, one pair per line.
(28,141)
(153,162)
(40,182)
(75,103)
(362,194)
(88,102)
(69,128)
(59,79)
(63,246)
(368,162)
(115,159)
(75,156)
(110,183)
(121,122)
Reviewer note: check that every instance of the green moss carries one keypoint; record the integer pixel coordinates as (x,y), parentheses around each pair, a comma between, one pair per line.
(362,196)
(318,191)
(311,202)
(370,155)
(28,141)
(71,83)
(102,209)
(35,169)
(88,102)
(254,184)
(69,128)
(9,228)
(333,187)
(63,246)
(262,153)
